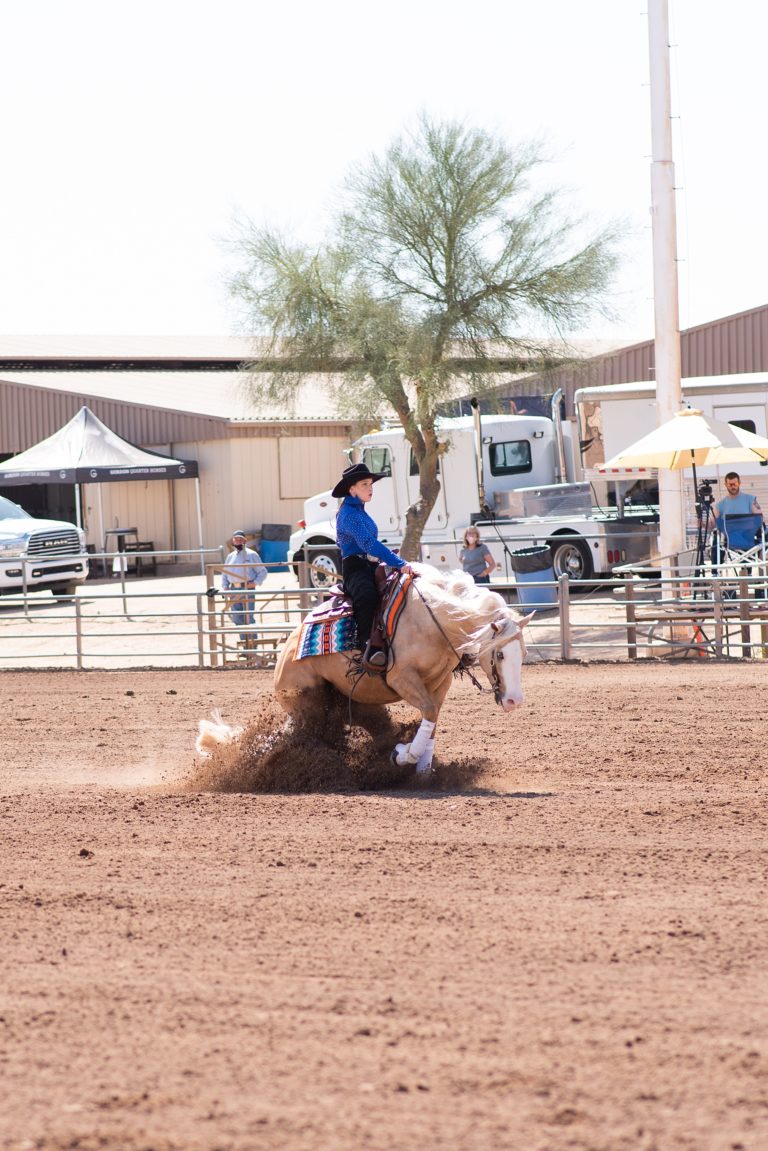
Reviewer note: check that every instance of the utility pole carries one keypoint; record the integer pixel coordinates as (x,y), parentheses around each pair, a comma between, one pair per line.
(664,232)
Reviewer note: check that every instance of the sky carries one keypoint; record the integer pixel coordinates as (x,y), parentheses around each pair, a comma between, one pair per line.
(135,135)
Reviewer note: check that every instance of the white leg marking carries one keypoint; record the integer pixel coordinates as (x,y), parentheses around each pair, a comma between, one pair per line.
(412,752)
(424,764)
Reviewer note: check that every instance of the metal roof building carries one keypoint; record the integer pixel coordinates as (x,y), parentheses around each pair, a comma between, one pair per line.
(185,398)
(734,344)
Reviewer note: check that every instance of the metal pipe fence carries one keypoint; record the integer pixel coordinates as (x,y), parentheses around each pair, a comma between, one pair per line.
(636,616)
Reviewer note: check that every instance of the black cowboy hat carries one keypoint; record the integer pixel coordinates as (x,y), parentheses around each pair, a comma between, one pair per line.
(353,475)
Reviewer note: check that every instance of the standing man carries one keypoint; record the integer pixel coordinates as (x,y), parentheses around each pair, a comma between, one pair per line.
(243,571)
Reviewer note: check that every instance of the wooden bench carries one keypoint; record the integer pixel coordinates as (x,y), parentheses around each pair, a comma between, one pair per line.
(262,645)
(260,649)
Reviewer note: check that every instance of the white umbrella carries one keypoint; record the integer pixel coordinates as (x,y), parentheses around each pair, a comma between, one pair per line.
(690,439)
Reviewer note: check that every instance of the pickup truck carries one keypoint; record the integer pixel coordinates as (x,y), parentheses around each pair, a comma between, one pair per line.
(39,554)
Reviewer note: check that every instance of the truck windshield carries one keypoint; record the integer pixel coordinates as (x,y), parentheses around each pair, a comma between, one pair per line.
(510,458)
(11,511)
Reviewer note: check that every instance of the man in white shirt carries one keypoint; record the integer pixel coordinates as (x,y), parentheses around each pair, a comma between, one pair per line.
(243,571)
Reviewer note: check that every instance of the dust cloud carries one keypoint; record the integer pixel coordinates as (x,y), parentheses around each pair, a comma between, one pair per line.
(321,753)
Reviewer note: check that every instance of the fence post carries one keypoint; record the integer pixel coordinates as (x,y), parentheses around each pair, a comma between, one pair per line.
(717,607)
(200,632)
(564,597)
(629,605)
(210,572)
(746,649)
(305,596)
(78,634)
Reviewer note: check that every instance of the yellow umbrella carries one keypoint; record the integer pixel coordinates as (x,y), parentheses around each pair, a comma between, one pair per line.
(690,439)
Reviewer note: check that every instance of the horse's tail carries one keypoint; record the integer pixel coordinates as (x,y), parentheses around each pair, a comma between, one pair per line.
(212,733)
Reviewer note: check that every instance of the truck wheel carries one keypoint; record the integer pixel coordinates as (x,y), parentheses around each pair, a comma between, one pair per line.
(571,557)
(325,569)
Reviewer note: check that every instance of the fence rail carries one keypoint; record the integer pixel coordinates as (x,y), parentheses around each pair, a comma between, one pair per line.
(633,617)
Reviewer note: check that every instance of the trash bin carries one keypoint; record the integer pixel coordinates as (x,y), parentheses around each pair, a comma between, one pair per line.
(532,565)
(274,546)
(276,531)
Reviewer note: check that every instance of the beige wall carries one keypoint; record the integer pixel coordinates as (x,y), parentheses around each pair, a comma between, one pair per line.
(244,482)
(249,482)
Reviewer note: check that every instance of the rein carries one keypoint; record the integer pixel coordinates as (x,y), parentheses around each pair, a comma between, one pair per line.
(464,668)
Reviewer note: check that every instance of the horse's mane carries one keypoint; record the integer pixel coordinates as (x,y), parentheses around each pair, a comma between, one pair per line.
(465,609)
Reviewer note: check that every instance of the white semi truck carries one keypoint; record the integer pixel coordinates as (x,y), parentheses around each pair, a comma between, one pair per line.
(517,477)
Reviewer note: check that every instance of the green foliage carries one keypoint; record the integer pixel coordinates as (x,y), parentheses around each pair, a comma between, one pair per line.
(443,254)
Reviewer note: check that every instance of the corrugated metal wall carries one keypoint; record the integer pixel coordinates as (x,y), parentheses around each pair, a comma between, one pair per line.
(244,482)
(725,347)
(28,415)
(248,482)
(141,504)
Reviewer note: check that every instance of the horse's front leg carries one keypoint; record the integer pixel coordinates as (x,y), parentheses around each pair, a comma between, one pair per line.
(421,750)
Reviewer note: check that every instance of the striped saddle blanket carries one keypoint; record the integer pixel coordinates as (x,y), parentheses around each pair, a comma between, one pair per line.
(330,627)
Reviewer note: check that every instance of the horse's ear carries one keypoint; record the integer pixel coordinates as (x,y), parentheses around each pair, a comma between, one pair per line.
(526,619)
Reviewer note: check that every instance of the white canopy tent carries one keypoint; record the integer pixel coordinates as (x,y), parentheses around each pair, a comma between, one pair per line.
(86,451)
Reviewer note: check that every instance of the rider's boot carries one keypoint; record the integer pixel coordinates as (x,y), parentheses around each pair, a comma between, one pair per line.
(374,659)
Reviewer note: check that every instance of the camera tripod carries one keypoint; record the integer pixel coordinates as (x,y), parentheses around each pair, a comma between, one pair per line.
(704,502)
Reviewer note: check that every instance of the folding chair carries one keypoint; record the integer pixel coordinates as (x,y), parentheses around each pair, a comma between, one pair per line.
(740,547)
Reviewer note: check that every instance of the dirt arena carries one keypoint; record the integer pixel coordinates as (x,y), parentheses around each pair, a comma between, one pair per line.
(560,944)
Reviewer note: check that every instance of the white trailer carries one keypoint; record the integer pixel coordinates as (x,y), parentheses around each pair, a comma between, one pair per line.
(518,478)
(612,417)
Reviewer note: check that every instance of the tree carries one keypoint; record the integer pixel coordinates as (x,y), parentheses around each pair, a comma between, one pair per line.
(443,258)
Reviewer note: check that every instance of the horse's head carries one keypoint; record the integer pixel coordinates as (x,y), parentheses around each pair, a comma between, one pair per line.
(502,660)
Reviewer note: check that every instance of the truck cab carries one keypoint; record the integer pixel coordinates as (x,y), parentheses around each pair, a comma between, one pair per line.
(39,554)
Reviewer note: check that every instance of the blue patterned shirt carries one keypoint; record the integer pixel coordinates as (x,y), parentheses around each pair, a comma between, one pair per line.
(357,534)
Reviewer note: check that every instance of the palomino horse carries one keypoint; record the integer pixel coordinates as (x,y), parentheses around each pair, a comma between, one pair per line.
(446,617)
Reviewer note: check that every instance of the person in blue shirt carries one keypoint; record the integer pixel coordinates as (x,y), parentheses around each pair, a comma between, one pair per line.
(361,551)
(243,571)
(736,502)
(739,535)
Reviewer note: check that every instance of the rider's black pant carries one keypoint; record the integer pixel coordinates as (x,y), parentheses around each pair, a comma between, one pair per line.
(359,576)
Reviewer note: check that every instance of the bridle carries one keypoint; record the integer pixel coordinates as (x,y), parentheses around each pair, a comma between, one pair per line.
(465,664)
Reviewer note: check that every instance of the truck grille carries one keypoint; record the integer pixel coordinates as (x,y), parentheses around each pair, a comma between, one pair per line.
(62,543)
